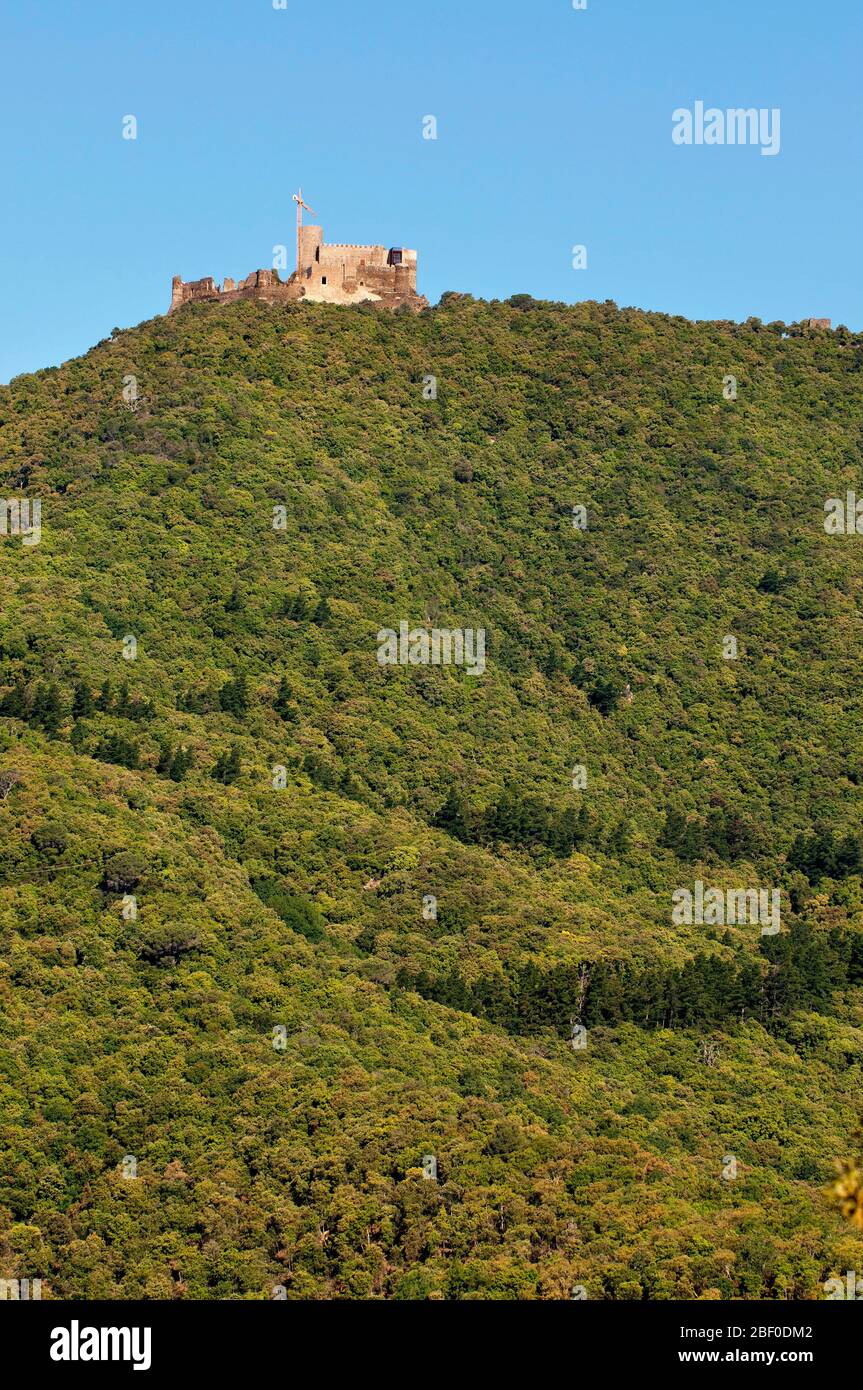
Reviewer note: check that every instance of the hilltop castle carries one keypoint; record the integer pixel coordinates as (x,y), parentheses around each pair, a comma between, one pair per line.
(325,273)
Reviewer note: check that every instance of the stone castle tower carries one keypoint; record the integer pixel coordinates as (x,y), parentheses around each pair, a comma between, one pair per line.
(325,273)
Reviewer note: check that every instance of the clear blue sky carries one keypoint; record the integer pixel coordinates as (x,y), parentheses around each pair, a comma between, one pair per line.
(554,129)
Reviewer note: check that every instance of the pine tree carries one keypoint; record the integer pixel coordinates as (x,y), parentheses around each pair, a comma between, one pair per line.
(122,704)
(47,707)
(228,766)
(234,696)
(180,764)
(450,817)
(82,701)
(14,702)
(283,703)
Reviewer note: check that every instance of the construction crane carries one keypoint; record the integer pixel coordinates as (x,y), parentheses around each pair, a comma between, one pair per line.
(298,199)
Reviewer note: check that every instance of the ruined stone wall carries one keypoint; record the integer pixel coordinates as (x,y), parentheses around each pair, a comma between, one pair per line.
(389,282)
(261,284)
(184,293)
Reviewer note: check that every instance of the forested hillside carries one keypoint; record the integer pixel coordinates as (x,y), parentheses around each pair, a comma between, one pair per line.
(326,978)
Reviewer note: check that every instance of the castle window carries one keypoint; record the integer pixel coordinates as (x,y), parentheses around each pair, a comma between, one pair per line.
(395,256)
(323,279)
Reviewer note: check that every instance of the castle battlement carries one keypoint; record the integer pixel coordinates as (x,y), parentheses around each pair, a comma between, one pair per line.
(327,273)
